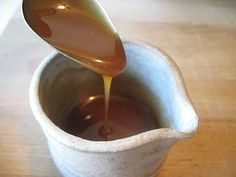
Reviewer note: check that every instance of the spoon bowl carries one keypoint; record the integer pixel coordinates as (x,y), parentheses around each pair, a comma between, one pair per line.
(81,30)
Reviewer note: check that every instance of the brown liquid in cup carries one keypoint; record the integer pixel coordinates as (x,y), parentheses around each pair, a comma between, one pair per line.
(126,118)
(83,32)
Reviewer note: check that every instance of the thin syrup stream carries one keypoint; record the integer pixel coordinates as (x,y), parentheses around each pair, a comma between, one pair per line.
(107,88)
(105,130)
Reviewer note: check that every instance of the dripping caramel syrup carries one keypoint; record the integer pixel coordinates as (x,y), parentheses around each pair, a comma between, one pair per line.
(82,31)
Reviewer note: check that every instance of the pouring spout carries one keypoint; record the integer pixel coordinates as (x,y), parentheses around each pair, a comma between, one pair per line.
(163,90)
(181,118)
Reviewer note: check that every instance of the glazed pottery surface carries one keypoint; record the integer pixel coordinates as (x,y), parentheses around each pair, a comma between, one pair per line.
(151,77)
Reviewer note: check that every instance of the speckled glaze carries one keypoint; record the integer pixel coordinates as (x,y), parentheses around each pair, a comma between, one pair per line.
(150,77)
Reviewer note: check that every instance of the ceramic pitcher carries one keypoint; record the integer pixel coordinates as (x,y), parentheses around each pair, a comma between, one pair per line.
(151,77)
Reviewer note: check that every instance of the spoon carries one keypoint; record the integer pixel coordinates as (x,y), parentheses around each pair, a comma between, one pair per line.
(79,29)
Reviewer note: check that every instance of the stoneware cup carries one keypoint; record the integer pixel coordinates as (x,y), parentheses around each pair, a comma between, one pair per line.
(151,77)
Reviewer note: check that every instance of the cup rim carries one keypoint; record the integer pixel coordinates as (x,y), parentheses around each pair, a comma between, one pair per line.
(77,143)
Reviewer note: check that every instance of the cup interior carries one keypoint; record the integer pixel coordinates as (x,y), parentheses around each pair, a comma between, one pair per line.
(149,78)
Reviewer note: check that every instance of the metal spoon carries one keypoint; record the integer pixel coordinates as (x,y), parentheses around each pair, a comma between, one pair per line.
(79,29)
